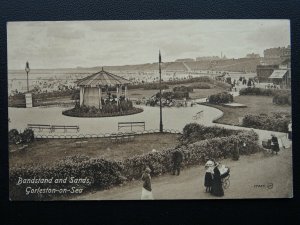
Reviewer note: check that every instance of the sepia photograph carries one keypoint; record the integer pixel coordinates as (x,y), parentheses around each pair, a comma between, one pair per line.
(149,110)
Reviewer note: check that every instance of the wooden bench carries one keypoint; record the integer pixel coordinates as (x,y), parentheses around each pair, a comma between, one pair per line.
(63,127)
(131,125)
(39,126)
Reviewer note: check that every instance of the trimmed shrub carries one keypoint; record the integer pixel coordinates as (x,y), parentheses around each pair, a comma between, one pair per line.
(173,95)
(263,92)
(220,98)
(275,122)
(15,137)
(195,132)
(201,86)
(27,136)
(282,99)
(183,89)
(148,86)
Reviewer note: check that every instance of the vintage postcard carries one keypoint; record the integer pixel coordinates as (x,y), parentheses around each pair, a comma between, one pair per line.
(149,109)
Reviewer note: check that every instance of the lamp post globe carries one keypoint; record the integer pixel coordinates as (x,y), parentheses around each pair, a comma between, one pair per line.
(27,69)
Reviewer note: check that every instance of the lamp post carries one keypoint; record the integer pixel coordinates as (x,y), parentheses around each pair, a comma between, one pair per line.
(27,69)
(160,105)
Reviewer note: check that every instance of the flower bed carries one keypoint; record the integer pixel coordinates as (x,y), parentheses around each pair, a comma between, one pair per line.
(74,113)
(103,173)
(108,110)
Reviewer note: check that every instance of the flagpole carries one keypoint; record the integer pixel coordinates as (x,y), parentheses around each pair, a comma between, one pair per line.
(160,105)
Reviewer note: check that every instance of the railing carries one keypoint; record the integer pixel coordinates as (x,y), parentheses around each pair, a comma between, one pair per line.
(52,128)
(131,124)
(101,135)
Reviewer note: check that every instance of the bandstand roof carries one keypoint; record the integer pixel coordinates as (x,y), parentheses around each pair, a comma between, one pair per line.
(101,79)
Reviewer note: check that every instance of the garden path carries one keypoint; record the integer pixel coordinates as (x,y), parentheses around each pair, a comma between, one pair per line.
(261,175)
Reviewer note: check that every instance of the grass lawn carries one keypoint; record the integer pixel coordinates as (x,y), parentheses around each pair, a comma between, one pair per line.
(50,150)
(255,105)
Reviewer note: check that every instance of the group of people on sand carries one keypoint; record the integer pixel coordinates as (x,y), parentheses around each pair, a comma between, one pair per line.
(215,172)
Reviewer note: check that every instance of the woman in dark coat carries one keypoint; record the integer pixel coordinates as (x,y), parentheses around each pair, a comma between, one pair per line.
(274,144)
(216,188)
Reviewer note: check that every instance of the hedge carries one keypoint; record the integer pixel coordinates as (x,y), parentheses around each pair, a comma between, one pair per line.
(194,132)
(282,99)
(220,98)
(148,86)
(201,86)
(183,89)
(107,173)
(276,122)
(262,91)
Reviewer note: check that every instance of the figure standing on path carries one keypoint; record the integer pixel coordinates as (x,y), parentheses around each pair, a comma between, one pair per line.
(209,166)
(274,144)
(216,188)
(177,159)
(290,131)
(147,190)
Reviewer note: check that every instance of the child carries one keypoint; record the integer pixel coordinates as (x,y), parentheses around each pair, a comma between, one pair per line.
(209,166)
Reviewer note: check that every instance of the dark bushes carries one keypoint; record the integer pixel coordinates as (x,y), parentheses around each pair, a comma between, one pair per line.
(148,86)
(183,89)
(257,91)
(282,99)
(220,98)
(15,137)
(275,122)
(195,132)
(201,86)
(173,95)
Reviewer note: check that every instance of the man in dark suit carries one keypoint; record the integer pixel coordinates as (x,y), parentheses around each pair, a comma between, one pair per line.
(177,158)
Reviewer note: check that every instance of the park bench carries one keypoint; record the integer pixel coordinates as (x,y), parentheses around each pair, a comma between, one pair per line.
(40,127)
(122,137)
(131,125)
(63,127)
(80,143)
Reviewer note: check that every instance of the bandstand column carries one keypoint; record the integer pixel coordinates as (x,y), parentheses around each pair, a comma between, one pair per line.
(81,92)
(125,94)
(100,103)
(118,94)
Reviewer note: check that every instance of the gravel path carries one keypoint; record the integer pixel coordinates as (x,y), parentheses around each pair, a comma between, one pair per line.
(260,175)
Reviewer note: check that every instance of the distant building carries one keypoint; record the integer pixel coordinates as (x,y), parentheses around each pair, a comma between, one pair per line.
(280,52)
(252,56)
(279,74)
(185,60)
(265,71)
(207,58)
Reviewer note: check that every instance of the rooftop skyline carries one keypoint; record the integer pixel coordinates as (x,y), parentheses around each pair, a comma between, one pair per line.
(71,44)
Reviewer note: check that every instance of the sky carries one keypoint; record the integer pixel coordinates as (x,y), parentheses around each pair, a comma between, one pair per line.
(71,44)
